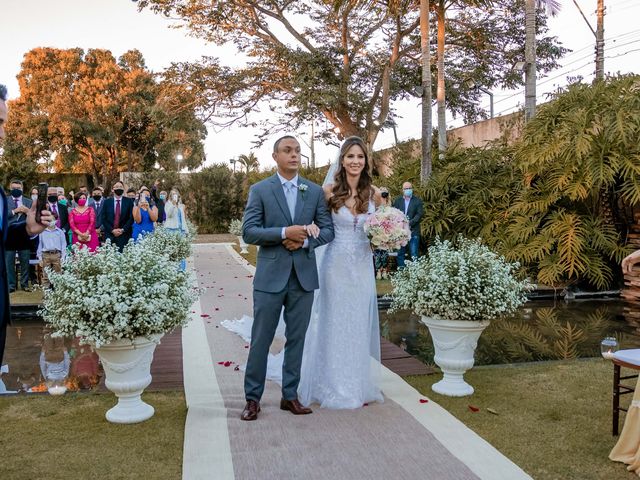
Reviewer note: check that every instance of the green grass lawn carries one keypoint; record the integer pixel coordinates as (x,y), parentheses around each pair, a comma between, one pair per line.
(20,297)
(45,437)
(554,419)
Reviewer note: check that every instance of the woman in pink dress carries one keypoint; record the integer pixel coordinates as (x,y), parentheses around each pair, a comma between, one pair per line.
(82,220)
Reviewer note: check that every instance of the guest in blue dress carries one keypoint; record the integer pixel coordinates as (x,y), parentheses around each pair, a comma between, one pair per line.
(145,214)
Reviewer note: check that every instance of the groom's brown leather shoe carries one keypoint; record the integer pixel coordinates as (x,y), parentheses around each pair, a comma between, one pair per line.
(294,406)
(250,411)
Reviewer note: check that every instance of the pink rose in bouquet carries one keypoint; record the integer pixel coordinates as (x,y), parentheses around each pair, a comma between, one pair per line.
(388,229)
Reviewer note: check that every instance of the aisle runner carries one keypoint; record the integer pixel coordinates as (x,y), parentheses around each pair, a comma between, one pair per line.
(401,438)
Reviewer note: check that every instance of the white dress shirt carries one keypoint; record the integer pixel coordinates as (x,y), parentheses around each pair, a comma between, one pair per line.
(52,240)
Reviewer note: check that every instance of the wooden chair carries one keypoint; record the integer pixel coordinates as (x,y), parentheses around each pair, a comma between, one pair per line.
(628,359)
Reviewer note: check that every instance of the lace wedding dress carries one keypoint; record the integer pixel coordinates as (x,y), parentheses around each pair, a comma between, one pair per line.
(341,361)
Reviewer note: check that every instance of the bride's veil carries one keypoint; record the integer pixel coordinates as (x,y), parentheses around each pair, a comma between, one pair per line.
(308,370)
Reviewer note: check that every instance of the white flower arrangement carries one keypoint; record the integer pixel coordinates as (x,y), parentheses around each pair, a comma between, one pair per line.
(106,296)
(463,282)
(235,227)
(174,244)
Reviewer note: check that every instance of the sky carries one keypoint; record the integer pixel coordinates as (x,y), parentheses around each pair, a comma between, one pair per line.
(118,26)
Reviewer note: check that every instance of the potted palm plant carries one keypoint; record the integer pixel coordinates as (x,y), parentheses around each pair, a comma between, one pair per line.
(458,289)
(122,304)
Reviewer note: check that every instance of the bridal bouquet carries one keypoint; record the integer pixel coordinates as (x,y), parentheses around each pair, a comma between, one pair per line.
(388,228)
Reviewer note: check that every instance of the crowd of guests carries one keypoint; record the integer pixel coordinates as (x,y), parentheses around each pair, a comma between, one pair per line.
(84,219)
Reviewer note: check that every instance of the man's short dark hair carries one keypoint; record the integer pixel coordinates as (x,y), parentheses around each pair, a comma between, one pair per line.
(96,189)
(119,182)
(3,92)
(277,144)
(132,190)
(19,182)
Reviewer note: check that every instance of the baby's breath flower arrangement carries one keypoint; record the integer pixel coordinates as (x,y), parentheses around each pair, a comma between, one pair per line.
(466,281)
(106,296)
(174,244)
(235,227)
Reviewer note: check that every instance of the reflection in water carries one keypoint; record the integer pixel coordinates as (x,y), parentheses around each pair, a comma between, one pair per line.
(538,331)
(35,361)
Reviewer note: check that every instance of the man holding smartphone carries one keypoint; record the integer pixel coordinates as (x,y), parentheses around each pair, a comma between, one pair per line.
(27,227)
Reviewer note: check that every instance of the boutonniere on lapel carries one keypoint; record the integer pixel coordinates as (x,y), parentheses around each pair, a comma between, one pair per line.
(303,188)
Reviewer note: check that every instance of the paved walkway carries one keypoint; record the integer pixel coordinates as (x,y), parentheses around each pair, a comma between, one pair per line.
(402,438)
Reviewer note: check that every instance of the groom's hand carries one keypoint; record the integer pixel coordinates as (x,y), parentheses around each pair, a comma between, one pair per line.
(296,233)
(291,245)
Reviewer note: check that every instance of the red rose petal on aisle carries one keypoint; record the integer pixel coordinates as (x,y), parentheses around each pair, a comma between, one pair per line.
(227,364)
(217,309)
(246,346)
(205,315)
(424,400)
(365,404)
(220,363)
(474,409)
(237,368)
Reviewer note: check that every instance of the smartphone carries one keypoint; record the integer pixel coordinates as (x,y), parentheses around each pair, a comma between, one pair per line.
(41,203)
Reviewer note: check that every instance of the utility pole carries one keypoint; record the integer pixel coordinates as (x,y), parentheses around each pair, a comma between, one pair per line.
(600,42)
(599,34)
(427,125)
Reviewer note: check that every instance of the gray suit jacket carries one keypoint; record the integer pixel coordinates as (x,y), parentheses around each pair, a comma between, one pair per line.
(19,217)
(265,215)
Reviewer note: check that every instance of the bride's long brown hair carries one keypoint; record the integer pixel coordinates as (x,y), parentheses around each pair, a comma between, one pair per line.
(341,190)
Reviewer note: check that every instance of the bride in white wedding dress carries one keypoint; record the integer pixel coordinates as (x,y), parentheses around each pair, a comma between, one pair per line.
(341,360)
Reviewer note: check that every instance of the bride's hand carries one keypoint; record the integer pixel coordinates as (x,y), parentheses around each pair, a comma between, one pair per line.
(313,230)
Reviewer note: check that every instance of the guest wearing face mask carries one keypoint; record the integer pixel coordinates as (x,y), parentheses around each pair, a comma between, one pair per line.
(82,220)
(59,210)
(18,207)
(62,198)
(413,208)
(117,216)
(96,202)
(144,215)
(176,218)
(160,200)
(33,245)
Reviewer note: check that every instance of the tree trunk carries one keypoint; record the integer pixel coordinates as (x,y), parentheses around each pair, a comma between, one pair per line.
(600,42)
(530,60)
(442,109)
(425,38)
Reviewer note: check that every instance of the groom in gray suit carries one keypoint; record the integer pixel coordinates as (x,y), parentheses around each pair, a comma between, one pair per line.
(277,216)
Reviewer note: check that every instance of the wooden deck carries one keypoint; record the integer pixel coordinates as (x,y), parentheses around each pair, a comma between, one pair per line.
(166,368)
(400,362)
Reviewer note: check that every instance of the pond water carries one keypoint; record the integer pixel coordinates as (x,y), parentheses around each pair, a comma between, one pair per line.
(540,330)
(35,362)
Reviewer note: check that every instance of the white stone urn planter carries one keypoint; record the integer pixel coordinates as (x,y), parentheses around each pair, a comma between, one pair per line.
(127,367)
(243,245)
(455,343)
